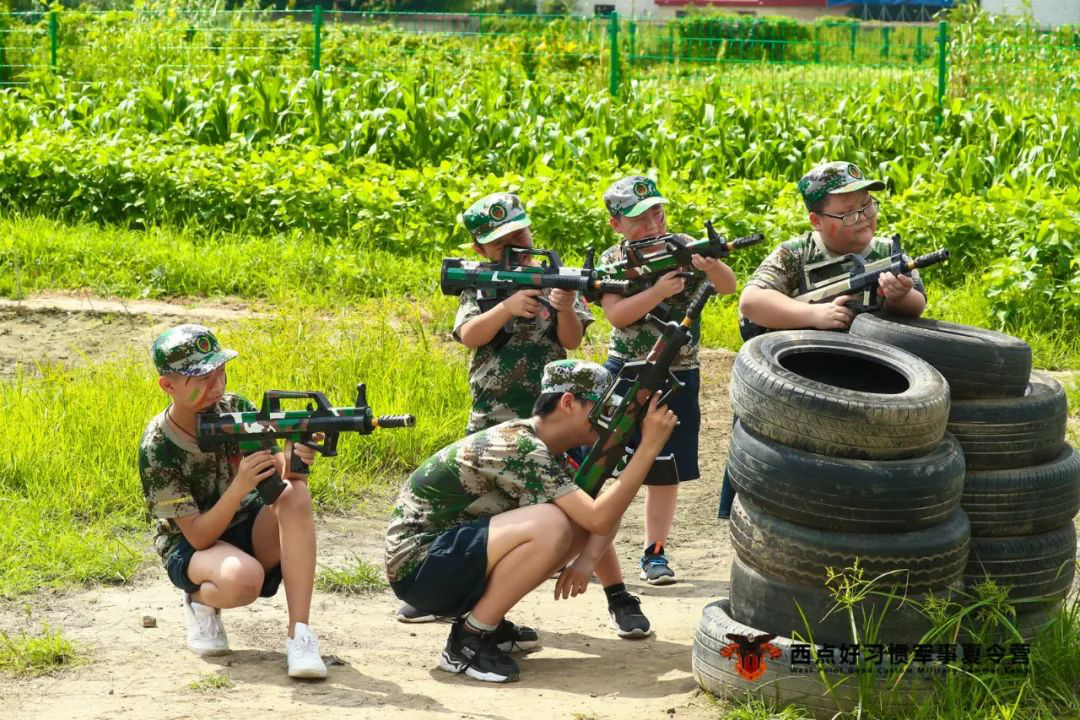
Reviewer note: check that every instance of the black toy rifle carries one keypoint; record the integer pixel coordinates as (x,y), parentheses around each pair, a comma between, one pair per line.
(496,281)
(850,274)
(248,432)
(616,416)
(640,263)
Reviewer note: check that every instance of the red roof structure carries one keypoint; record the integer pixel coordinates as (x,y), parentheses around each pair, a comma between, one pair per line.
(742,3)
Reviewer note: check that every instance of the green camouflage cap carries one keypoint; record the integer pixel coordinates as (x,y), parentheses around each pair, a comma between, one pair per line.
(581,378)
(632,196)
(495,216)
(190,350)
(833,178)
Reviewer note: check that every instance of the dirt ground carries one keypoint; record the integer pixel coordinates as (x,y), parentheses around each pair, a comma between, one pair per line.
(378,667)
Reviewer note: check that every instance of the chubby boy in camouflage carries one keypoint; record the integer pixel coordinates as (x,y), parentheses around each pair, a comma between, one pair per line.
(637,214)
(505,369)
(486,520)
(843,218)
(218,542)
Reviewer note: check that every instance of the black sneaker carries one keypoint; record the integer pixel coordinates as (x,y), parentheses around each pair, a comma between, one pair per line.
(510,638)
(477,656)
(626,616)
(408,614)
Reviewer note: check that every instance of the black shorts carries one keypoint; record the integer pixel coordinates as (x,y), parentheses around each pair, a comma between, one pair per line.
(453,577)
(678,460)
(239,536)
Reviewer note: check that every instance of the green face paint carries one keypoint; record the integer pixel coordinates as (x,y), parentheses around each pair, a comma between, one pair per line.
(196,393)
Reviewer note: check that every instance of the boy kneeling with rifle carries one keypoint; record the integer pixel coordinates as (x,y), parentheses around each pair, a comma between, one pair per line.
(486,520)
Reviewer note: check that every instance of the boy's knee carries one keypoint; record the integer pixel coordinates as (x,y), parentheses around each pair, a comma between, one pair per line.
(243,581)
(294,498)
(556,528)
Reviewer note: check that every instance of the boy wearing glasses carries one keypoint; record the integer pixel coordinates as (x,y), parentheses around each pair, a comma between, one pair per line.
(843,216)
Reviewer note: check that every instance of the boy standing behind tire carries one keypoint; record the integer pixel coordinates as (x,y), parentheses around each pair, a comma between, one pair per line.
(843,217)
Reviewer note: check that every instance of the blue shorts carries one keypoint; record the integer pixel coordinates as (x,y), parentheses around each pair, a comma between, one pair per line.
(678,460)
(239,536)
(453,577)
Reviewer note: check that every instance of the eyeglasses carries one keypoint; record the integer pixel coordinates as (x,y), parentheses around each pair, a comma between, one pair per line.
(848,219)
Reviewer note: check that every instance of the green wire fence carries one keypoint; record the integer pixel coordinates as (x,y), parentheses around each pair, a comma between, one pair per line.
(805,57)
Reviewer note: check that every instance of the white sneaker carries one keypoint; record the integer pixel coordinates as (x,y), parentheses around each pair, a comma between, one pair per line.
(302,650)
(205,633)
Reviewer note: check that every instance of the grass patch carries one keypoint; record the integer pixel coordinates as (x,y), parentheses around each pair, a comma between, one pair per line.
(33,655)
(211,682)
(357,578)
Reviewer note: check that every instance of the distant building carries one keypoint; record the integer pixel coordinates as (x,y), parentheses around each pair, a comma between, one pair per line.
(1046,12)
(805,9)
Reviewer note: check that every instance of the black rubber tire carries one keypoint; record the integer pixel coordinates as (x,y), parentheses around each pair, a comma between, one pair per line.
(1034,566)
(778,686)
(978,363)
(774,395)
(1023,501)
(773,606)
(1004,433)
(920,561)
(865,496)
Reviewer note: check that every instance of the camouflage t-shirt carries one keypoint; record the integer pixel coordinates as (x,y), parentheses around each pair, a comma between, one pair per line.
(634,341)
(179,479)
(505,380)
(783,267)
(482,475)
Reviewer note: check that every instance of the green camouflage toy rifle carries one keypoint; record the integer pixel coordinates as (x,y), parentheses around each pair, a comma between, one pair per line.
(617,415)
(494,282)
(850,274)
(248,432)
(676,253)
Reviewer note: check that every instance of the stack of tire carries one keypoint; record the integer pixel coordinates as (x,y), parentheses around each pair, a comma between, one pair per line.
(840,455)
(1022,488)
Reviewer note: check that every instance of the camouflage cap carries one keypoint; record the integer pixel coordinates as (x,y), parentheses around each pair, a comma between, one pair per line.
(581,378)
(190,350)
(495,216)
(632,196)
(832,178)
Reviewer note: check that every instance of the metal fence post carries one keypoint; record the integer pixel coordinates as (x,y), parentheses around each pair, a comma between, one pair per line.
(54,27)
(671,41)
(817,44)
(854,38)
(613,39)
(316,46)
(943,46)
(633,34)
(885,41)
(918,45)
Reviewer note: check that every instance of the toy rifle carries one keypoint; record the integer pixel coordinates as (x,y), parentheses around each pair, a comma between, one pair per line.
(676,253)
(248,432)
(850,274)
(616,416)
(496,281)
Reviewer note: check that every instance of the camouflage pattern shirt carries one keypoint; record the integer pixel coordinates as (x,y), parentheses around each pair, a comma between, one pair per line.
(505,380)
(482,475)
(179,479)
(783,267)
(634,341)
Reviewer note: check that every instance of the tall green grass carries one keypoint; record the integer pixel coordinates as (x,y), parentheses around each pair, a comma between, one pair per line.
(69,488)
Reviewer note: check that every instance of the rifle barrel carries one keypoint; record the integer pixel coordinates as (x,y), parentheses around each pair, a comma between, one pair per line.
(394,421)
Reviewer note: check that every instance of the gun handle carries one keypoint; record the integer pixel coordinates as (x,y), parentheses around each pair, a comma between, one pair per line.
(296,465)
(271,488)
